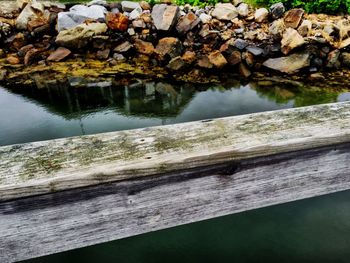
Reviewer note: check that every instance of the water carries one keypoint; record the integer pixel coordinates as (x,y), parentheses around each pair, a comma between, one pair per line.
(30,114)
(313,230)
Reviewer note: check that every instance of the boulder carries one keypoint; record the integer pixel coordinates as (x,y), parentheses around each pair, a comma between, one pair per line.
(117,21)
(277,10)
(224,11)
(293,17)
(79,36)
(31,11)
(169,47)
(217,59)
(243,10)
(164,16)
(261,15)
(290,40)
(9,9)
(290,64)
(129,6)
(59,54)
(187,23)
(144,47)
(78,14)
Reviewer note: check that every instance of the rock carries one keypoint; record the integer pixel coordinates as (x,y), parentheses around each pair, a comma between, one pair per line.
(305,28)
(333,59)
(31,55)
(187,23)
(117,21)
(248,58)
(345,58)
(240,43)
(244,71)
(293,17)
(22,3)
(224,11)
(256,51)
(129,6)
(13,60)
(136,13)
(97,2)
(5,30)
(3,73)
(237,2)
(290,40)
(131,31)
(189,57)
(79,36)
(261,15)
(277,10)
(217,59)
(316,77)
(29,12)
(169,47)
(204,62)
(138,24)
(234,58)
(118,57)
(37,22)
(164,16)
(176,64)
(277,28)
(123,47)
(144,47)
(78,14)
(290,64)
(9,9)
(243,10)
(145,5)
(59,54)
(205,18)
(103,54)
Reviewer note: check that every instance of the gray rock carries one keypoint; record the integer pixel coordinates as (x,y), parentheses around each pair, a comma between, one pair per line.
(240,44)
(224,11)
(290,64)
(243,10)
(129,6)
(333,59)
(256,51)
(79,36)
(97,2)
(164,16)
(261,15)
(277,10)
(135,13)
(78,14)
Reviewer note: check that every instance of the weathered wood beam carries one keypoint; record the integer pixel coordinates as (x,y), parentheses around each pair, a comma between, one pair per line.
(126,183)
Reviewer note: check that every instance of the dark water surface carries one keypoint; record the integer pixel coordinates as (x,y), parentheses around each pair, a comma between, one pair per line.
(312,230)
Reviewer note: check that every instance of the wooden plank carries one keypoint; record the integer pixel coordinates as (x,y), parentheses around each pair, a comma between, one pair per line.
(60,221)
(50,166)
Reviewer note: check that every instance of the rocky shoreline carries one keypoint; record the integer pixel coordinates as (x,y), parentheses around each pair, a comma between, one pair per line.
(167,41)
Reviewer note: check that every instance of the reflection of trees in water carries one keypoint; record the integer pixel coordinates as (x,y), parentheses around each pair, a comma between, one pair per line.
(140,99)
(301,95)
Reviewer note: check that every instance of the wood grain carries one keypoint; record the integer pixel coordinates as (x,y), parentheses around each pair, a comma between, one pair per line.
(51,223)
(63,164)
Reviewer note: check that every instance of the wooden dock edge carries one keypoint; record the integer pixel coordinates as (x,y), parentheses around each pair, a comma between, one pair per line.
(172,175)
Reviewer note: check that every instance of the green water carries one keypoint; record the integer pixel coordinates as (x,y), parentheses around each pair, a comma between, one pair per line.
(313,230)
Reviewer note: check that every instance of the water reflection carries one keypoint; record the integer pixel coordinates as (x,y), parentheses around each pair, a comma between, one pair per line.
(67,109)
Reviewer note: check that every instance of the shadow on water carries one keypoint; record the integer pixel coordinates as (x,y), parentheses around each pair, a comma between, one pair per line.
(75,108)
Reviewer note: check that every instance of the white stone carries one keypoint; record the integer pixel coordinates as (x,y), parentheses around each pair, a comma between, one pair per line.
(243,10)
(224,11)
(27,13)
(205,18)
(135,13)
(129,6)
(261,15)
